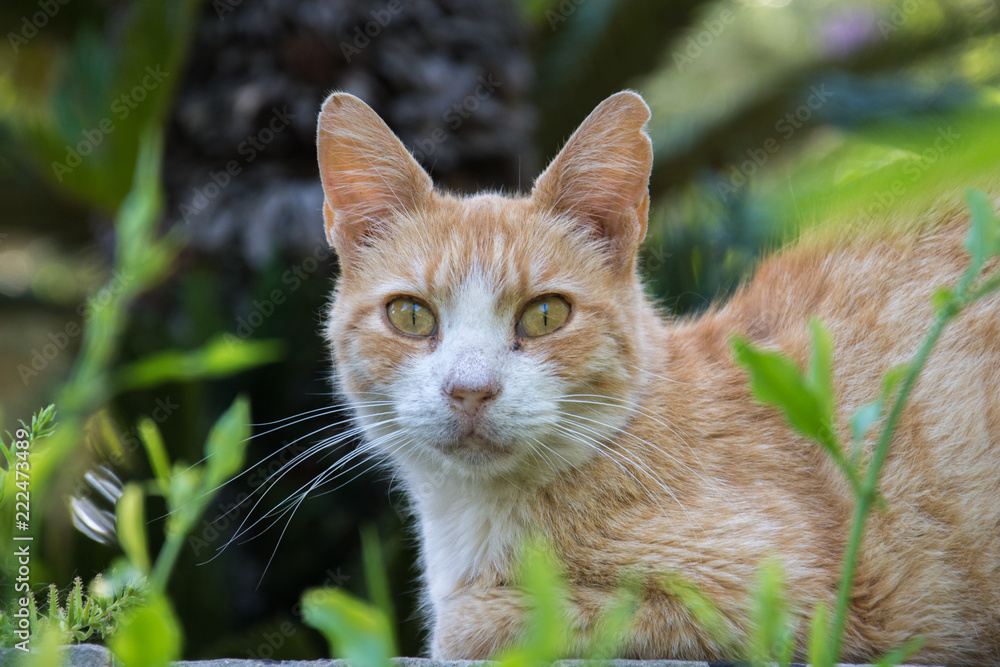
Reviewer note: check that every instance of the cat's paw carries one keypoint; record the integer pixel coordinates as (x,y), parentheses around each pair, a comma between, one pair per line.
(477,626)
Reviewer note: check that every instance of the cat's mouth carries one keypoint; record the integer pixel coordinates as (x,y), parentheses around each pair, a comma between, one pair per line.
(475,449)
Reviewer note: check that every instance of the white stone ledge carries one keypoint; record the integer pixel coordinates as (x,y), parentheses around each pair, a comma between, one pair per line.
(91,655)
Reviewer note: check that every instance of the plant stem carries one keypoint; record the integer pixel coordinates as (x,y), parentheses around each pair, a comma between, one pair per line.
(863,507)
(165,560)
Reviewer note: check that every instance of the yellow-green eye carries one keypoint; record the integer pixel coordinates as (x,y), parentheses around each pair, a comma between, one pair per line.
(411,316)
(544,315)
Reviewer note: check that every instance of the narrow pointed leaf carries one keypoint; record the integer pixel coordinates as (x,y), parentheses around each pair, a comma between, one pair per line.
(356,631)
(131,527)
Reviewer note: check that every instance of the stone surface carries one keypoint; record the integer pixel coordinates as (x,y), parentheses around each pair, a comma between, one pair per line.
(84,655)
(88,655)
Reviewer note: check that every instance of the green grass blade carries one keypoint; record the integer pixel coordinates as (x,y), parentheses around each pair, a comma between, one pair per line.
(356,631)
(149,635)
(819,638)
(375,572)
(131,526)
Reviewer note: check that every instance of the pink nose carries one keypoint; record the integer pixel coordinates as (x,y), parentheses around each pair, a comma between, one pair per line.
(470,400)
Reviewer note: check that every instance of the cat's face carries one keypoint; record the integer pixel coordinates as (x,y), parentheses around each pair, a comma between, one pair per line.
(486,336)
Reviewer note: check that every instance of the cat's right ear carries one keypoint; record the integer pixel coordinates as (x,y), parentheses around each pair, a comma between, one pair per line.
(368,175)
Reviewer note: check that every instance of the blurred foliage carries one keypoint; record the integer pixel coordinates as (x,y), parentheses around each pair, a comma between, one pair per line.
(362,633)
(34,459)
(80,109)
(767,116)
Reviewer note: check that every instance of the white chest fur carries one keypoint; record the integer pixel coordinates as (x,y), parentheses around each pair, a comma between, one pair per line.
(467,530)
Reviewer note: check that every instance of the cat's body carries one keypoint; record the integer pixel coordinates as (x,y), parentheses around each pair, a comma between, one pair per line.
(632,442)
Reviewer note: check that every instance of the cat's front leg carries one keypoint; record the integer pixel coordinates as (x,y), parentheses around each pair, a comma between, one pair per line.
(477,624)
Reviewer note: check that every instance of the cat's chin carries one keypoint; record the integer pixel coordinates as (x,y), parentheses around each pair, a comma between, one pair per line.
(477,454)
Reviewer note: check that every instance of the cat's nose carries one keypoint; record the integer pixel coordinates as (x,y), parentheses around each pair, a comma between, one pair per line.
(470,400)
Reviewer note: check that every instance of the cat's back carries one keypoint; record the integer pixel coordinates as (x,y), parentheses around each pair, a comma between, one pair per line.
(931,563)
(874,289)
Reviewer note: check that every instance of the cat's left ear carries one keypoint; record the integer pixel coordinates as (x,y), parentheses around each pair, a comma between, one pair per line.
(368,175)
(601,176)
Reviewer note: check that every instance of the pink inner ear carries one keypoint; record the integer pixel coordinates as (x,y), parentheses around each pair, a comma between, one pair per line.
(365,170)
(602,173)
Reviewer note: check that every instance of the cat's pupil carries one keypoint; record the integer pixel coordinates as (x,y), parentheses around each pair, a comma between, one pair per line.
(413,314)
(545,314)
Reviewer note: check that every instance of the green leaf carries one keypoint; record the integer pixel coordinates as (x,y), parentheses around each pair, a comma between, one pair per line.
(544,587)
(74,601)
(192,488)
(226,445)
(92,92)
(820,378)
(46,648)
(807,401)
(611,629)
(863,419)
(942,299)
(149,635)
(221,357)
(42,424)
(183,498)
(892,379)
(356,631)
(375,573)
(156,451)
(32,611)
(902,654)
(819,638)
(53,610)
(701,607)
(776,380)
(547,627)
(144,259)
(131,526)
(773,638)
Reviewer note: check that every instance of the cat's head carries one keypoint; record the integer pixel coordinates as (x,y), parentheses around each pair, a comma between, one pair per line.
(487,336)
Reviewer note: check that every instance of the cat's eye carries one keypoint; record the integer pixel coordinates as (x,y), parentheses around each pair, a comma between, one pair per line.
(543,316)
(411,316)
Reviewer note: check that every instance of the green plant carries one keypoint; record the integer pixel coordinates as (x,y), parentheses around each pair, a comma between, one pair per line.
(41,427)
(187,490)
(71,104)
(85,612)
(360,632)
(150,635)
(550,633)
(135,583)
(145,260)
(808,402)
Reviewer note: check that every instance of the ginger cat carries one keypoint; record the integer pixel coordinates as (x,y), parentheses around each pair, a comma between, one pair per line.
(501,353)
